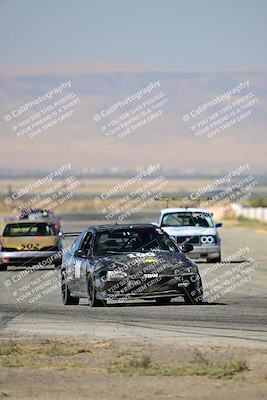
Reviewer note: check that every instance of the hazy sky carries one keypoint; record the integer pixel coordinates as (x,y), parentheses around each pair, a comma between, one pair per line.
(199,35)
(197,49)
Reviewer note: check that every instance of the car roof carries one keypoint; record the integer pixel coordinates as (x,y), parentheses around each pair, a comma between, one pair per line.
(113,227)
(185,209)
(28,221)
(37,210)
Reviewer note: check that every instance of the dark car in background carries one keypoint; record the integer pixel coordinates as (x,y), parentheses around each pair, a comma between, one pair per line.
(124,262)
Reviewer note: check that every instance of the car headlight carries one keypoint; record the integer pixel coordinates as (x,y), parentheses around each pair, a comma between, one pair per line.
(207,239)
(115,274)
(185,270)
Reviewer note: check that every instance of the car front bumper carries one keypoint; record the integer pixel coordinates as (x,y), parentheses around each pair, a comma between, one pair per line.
(201,252)
(163,286)
(26,258)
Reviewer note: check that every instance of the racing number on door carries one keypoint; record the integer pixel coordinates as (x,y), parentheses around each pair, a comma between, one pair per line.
(78,269)
(84,248)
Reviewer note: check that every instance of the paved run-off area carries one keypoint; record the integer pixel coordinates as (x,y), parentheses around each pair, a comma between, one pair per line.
(231,325)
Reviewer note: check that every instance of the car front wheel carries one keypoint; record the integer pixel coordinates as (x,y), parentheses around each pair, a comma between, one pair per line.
(193,294)
(92,300)
(67,299)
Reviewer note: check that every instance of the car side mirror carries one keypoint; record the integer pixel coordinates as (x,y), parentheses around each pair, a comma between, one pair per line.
(187,247)
(80,253)
(218,225)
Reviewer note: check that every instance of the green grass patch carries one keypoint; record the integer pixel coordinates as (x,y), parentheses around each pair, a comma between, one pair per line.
(241,218)
(258,202)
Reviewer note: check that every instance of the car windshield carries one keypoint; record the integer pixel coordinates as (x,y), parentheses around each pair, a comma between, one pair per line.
(199,219)
(132,240)
(29,229)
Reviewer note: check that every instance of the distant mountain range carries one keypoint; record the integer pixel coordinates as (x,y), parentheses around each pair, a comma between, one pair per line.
(167,138)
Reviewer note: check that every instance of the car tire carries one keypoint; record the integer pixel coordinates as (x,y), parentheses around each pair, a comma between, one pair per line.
(92,300)
(194,295)
(67,299)
(3,267)
(193,300)
(163,300)
(214,259)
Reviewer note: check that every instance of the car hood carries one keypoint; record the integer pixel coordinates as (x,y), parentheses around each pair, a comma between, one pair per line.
(189,231)
(160,261)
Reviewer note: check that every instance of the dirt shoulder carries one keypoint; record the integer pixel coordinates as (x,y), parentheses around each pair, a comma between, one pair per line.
(34,367)
(258,226)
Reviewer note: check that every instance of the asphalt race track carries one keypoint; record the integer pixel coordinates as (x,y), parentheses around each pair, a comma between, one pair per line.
(237,317)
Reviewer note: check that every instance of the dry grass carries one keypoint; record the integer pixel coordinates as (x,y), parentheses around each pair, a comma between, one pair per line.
(245,223)
(144,366)
(49,353)
(70,354)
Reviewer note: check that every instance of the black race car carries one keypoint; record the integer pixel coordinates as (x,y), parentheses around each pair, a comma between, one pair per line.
(123,262)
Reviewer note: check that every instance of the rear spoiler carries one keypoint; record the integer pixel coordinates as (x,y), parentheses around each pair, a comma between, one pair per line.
(68,234)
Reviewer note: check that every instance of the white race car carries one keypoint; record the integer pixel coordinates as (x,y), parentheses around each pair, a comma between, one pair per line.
(195,226)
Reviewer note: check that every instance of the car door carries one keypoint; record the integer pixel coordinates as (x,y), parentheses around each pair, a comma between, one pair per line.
(69,261)
(81,263)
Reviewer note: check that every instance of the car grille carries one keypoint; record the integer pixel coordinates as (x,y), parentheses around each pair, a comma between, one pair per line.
(188,239)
